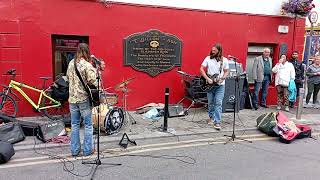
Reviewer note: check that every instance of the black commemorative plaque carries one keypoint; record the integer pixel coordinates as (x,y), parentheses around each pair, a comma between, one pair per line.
(152,52)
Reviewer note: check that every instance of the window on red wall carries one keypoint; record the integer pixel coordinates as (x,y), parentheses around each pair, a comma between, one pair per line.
(253,52)
(63,50)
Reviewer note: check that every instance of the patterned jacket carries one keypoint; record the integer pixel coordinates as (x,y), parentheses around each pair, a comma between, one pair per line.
(77,93)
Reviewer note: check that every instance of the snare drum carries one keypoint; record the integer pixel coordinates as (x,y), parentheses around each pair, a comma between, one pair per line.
(109,98)
(111,118)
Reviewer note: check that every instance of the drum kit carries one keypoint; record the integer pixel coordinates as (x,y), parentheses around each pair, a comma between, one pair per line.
(112,117)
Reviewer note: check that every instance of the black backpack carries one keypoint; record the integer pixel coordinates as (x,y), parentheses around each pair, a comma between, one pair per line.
(6,152)
(60,89)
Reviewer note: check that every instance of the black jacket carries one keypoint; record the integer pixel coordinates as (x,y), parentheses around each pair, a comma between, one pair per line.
(299,69)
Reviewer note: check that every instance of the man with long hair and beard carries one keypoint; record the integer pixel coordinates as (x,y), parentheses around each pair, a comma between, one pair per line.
(215,63)
(79,100)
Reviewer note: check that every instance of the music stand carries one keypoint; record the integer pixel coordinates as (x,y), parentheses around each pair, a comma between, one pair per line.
(235,105)
(97,161)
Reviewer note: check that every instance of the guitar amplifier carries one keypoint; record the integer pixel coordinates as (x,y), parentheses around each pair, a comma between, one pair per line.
(50,130)
(230,99)
(176,110)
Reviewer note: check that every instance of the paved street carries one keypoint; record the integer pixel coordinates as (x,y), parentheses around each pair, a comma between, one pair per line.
(188,136)
(264,159)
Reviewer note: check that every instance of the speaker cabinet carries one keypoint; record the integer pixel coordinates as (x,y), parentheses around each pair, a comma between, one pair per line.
(176,110)
(230,95)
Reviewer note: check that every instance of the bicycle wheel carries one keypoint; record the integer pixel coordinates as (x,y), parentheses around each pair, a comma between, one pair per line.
(56,113)
(8,105)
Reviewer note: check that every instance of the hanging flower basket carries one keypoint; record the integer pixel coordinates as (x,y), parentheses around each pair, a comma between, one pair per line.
(300,8)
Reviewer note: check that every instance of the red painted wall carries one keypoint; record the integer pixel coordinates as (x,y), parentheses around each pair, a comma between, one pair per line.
(26,28)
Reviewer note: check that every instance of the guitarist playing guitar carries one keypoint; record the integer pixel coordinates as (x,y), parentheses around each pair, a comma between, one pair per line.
(213,82)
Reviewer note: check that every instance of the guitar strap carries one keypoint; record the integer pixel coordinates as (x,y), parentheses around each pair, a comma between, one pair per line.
(221,64)
(79,76)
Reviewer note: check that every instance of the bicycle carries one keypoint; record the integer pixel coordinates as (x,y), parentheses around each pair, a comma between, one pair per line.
(50,107)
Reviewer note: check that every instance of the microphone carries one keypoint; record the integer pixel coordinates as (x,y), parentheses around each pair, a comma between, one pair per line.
(232,57)
(95,60)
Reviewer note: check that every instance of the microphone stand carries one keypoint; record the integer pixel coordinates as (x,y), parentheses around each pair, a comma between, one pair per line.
(97,161)
(235,107)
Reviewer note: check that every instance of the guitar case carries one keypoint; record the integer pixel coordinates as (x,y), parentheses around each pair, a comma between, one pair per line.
(289,131)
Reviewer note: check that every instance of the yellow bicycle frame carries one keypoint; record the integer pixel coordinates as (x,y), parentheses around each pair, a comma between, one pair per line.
(17,86)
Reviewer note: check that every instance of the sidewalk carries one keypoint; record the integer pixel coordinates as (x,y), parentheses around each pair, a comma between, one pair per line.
(190,127)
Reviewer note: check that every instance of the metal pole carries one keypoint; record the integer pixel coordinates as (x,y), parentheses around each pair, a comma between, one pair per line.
(303,90)
(166,110)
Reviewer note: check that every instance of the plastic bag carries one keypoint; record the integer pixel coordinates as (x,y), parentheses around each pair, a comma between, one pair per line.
(292,91)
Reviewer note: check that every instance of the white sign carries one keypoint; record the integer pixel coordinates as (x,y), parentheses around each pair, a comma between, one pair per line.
(283,29)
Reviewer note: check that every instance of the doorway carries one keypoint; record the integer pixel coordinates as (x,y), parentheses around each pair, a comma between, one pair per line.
(64,48)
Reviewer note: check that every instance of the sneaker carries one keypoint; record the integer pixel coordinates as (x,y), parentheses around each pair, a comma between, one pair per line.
(286,108)
(217,126)
(278,107)
(209,122)
(316,106)
(76,155)
(307,105)
(92,152)
(291,104)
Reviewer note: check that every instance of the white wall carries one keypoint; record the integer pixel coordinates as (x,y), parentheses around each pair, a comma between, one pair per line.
(268,7)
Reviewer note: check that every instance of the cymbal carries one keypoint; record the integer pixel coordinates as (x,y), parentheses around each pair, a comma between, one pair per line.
(181,72)
(107,88)
(123,89)
(124,83)
(185,74)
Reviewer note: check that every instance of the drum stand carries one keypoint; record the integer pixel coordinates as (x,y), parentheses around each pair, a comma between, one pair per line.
(127,115)
(97,161)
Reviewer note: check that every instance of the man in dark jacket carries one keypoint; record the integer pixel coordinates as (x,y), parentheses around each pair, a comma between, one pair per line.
(299,69)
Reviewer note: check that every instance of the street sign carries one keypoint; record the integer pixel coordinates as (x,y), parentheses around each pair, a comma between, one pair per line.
(313,17)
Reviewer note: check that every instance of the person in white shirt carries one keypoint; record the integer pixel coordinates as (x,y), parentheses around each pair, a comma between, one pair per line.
(215,64)
(284,73)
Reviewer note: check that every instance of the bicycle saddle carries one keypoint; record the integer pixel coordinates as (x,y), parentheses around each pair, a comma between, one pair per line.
(11,71)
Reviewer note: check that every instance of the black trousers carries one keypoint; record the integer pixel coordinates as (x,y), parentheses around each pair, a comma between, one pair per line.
(313,89)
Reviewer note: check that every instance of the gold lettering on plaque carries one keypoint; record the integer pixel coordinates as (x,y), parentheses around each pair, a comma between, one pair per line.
(154,44)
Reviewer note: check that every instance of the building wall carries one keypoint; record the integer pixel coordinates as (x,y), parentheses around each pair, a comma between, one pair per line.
(265,7)
(26,28)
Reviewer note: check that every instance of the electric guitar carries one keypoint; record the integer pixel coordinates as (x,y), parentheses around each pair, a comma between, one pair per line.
(205,86)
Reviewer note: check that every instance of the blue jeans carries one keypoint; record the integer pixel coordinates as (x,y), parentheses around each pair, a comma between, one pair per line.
(215,97)
(257,86)
(84,110)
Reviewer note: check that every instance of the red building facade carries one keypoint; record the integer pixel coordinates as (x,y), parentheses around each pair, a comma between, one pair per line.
(30,32)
